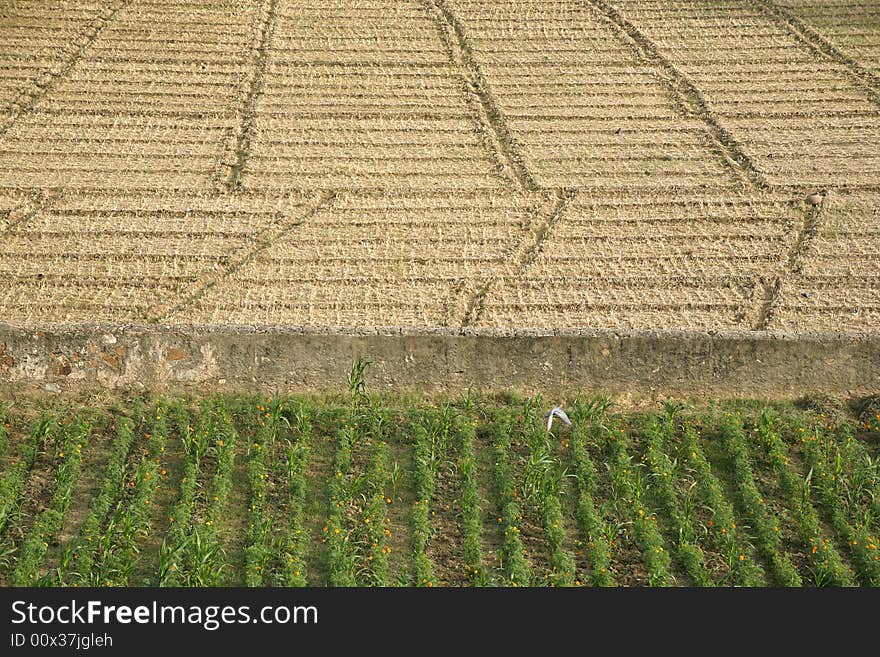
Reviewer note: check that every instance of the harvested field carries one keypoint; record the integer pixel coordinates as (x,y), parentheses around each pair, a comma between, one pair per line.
(539,164)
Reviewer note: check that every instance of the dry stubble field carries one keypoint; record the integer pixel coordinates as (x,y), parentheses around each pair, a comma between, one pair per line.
(459,163)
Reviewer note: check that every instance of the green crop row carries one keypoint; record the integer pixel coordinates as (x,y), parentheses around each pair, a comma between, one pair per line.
(12,483)
(373,520)
(190,554)
(542,486)
(594,540)
(341,565)
(119,548)
(424,460)
(472,524)
(629,487)
(258,536)
(829,478)
(69,443)
(827,568)
(207,556)
(80,555)
(765,524)
(663,472)
(517,569)
(295,543)
(724,536)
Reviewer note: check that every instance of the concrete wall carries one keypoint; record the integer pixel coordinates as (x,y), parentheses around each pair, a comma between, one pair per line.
(85,358)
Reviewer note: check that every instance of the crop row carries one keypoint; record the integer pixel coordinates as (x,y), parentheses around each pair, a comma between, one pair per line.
(296,492)
(69,442)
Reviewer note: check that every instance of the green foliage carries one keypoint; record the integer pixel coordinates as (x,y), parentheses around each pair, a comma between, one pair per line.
(663,472)
(472,524)
(764,523)
(517,569)
(684,486)
(81,552)
(15,475)
(70,440)
(629,483)
(708,493)
(827,566)
(595,541)
(294,545)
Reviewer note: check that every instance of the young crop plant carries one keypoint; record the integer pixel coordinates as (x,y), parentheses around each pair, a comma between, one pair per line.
(664,472)
(16,473)
(196,438)
(433,434)
(375,572)
(543,486)
(429,443)
(295,543)
(628,480)
(831,477)
(763,522)
(69,443)
(858,481)
(743,567)
(589,420)
(207,557)
(341,565)
(472,523)
(258,539)
(517,568)
(860,490)
(827,568)
(118,549)
(80,555)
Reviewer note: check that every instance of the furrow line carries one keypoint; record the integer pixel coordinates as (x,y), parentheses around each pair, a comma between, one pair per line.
(38,202)
(820,46)
(238,140)
(261,241)
(524,252)
(501,142)
(772,288)
(28,97)
(687,94)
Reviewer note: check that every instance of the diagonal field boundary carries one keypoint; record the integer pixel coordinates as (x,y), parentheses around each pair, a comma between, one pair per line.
(28,98)
(524,252)
(820,46)
(237,150)
(503,144)
(262,240)
(686,92)
(38,202)
(772,289)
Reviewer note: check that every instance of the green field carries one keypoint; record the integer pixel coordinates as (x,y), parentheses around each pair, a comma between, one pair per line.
(376,490)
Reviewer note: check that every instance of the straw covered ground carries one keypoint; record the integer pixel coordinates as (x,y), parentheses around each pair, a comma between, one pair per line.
(635,164)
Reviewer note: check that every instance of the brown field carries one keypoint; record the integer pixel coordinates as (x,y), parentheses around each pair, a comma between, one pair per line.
(636,164)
